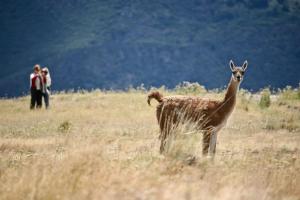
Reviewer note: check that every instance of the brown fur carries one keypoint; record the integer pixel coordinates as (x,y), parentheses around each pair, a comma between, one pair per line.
(203,112)
(208,115)
(155,95)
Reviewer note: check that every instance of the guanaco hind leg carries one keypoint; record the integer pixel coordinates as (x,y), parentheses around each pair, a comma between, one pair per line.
(162,143)
(205,142)
(165,130)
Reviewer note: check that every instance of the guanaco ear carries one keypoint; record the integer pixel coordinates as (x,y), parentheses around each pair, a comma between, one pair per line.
(245,65)
(232,66)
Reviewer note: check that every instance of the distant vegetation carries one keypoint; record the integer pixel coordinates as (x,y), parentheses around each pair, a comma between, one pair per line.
(117,44)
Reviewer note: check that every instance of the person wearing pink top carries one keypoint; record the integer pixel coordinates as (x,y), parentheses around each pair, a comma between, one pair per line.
(36,86)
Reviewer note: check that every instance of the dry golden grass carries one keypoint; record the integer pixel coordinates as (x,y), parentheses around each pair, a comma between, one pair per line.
(104,146)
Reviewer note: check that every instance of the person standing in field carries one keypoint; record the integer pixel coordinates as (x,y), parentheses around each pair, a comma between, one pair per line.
(36,86)
(46,85)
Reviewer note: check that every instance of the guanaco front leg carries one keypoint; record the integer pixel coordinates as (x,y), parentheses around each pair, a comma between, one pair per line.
(213,142)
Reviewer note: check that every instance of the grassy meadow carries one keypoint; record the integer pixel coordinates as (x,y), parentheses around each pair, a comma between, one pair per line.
(104,145)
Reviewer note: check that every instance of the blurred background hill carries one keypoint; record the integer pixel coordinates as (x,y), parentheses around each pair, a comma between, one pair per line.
(113,44)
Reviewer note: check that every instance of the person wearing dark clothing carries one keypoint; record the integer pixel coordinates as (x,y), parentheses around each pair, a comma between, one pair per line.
(36,85)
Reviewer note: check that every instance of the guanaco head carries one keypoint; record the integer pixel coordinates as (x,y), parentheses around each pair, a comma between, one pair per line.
(238,72)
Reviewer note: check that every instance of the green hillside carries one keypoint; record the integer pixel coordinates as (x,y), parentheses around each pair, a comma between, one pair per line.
(115,44)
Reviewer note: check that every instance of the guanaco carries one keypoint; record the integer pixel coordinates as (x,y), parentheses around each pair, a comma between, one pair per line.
(209,116)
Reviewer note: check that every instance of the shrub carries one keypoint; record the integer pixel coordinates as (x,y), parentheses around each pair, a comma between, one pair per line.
(141,88)
(265,100)
(65,127)
(189,88)
(289,93)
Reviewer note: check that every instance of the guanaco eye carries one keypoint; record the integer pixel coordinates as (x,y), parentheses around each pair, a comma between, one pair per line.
(242,73)
(234,72)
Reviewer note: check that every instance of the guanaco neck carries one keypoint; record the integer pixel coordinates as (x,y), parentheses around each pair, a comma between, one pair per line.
(229,101)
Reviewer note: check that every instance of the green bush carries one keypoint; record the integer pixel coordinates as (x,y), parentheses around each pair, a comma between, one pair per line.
(189,88)
(289,93)
(65,127)
(265,100)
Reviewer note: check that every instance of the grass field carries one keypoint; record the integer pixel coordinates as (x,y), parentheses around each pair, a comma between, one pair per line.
(104,145)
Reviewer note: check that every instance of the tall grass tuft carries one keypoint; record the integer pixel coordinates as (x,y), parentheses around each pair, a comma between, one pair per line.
(265,100)
(245,98)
